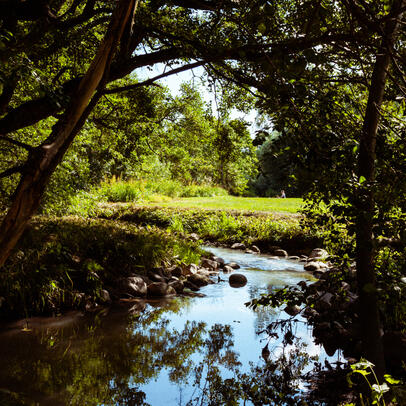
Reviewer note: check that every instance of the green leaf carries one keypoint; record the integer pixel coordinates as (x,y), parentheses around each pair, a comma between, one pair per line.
(362,364)
(362,372)
(391,380)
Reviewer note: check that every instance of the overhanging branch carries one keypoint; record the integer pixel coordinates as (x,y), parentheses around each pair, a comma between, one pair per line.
(17,143)
(154,79)
(11,171)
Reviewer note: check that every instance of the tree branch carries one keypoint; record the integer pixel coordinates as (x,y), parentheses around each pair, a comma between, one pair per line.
(17,143)
(11,171)
(154,79)
(196,4)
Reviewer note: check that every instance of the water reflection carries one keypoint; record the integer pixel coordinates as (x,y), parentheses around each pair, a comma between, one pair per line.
(109,358)
(188,351)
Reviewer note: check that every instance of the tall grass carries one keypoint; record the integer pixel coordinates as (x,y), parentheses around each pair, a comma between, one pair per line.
(117,190)
(219,225)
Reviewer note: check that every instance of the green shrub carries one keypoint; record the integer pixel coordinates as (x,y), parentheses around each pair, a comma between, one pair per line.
(221,227)
(116,190)
(176,224)
(203,191)
(121,191)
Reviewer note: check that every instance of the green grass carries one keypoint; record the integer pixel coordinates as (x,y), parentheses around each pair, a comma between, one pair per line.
(263,204)
(133,190)
(261,228)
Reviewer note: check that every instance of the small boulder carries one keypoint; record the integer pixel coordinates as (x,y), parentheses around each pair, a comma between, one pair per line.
(325,300)
(237,280)
(177,285)
(156,275)
(194,237)
(345,286)
(233,265)
(206,272)
(320,273)
(132,286)
(199,279)
(318,253)
(189,285)
(219,260)
(310,312)
(255,249)
(160,289)
(208,263)
(228,269)
(238,246)
(104,296)
(189,269)
(294,258)
(176,271)
(280,253)
(313,266)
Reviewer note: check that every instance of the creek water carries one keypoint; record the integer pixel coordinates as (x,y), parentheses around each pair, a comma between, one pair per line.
(182,351)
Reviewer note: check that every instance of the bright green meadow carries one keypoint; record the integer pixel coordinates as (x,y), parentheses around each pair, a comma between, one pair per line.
(265,204)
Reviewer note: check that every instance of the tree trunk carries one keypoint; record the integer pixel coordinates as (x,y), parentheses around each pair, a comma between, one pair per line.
(369,312)
(44,159)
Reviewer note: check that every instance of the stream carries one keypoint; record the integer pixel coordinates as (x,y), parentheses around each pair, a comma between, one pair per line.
(181,351)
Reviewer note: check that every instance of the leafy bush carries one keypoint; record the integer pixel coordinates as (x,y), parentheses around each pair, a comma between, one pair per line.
(121,191)
(390,273)
(203,191)
(116,190)
(221,227)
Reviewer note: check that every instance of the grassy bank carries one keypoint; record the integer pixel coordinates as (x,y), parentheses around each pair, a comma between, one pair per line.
(64,263)
(225,226)
(263,204)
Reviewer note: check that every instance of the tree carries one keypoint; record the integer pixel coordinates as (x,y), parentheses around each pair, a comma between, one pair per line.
(357,73)
(366,170)
(42,161)
(236,160)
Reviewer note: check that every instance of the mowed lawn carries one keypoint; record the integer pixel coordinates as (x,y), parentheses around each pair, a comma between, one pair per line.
(267,204)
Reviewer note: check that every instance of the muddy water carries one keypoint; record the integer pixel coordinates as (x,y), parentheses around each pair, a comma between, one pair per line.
(184,351)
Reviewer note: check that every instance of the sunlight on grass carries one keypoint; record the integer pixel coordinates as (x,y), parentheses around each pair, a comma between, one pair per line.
(290,205)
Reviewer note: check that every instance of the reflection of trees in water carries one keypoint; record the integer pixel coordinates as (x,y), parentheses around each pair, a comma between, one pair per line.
(107,359)
(98,361)
(263,315)
(277,382)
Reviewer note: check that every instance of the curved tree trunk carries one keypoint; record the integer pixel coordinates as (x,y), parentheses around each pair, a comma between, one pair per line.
(44,159)
(369,312)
